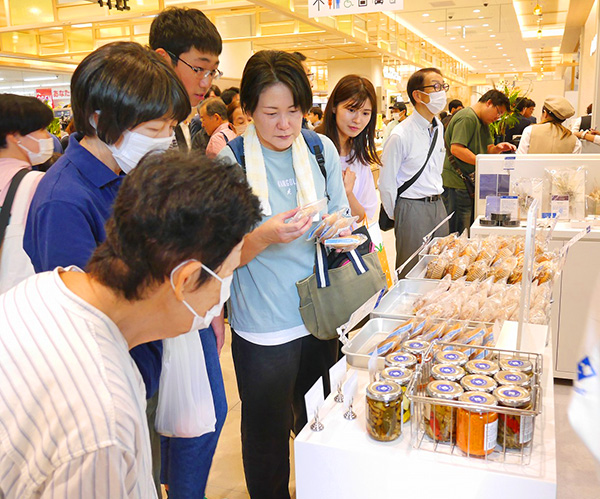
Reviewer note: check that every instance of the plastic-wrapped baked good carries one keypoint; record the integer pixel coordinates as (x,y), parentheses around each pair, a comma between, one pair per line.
(477,270)
(309,210)
(503,253)
(438,246)
(503,268)
(516,275)
(347,243)
(457,268)
(436,268)
(471,250)
(545,271)
(336,227)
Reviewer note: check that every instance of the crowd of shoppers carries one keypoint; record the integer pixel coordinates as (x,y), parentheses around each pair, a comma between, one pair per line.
(133,243)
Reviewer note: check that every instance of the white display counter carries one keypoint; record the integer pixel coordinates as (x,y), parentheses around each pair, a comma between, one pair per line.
(571,293)
(342,461)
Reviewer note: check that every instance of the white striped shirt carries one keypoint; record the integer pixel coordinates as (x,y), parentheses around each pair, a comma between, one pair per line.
(72,406)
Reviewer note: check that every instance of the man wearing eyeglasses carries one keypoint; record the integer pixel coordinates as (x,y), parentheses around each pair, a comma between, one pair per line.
(410,182)
(191,44)
(468,134)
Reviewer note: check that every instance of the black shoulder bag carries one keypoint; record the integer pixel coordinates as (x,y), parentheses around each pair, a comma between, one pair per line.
(385,222)
(8,201)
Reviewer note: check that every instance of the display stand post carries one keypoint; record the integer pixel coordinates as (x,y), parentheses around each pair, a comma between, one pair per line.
(527,269)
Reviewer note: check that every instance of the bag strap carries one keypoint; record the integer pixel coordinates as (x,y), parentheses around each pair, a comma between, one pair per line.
(225,137)
(8,201)
(406,185)
(322,267)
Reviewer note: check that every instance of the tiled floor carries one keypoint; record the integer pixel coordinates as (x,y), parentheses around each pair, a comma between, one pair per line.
(578,473)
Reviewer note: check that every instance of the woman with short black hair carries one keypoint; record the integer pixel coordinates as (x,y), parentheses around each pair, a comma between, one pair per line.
(276,359)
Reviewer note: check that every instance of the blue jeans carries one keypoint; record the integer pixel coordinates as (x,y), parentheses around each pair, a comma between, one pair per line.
(187,461)
(459,202)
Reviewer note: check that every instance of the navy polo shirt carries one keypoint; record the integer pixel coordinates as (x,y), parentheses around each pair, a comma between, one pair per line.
(65,224)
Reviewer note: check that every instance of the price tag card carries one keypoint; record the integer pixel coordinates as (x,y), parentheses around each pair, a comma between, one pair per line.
(314,399)
(337,374)
(349,389)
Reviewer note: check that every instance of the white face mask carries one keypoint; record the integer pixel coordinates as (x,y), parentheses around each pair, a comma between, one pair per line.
(200,322)
(437,101)
(396,116)
(46,148)
(135,146)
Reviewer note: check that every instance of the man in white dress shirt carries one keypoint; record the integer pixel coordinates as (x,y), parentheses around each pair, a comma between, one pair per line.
(72,401)
(410,182)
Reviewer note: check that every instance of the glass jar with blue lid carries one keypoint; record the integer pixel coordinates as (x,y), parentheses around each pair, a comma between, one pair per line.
(515,364)
(401,360)
(384,410)
(416,347)
(513,378)
(402,377)
(448,372)
(478,383)
(485,367)
(439,419)
(451,357)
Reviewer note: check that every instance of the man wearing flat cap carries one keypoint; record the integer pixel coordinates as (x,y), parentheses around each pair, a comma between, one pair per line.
(398,116)
(550,136)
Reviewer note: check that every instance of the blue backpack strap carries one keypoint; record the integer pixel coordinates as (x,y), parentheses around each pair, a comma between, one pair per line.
(315,146)
(225,137)
(237,147)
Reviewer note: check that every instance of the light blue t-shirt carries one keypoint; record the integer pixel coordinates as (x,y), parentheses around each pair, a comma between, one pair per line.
(264,297)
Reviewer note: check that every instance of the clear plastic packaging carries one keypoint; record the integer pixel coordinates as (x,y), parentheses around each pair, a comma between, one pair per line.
(347,243)
(527,190)
(570,182)
(309,210)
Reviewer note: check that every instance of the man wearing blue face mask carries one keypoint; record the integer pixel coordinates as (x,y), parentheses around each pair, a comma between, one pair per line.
(410,182)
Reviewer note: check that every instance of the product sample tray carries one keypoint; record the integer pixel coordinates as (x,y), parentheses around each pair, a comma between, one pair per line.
(359,348)
(398,301)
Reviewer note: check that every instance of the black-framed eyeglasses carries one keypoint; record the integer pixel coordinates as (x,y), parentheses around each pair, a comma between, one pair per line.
(215,74)
(438,86)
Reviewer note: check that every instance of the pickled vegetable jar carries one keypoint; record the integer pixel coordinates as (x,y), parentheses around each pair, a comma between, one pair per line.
(515,364)
(447,372)
(440,419)
(416,347)
(477,430)
(401,377)
(400,359)
(384,410)
(514,431)
(513,378)
(453,357)
(485,367)
(478,383)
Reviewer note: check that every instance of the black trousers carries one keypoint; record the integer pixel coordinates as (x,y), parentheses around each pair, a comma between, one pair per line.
(272,382)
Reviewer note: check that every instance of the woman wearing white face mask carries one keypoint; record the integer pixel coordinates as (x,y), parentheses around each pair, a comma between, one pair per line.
(84,395)
(24,142)
(125,100)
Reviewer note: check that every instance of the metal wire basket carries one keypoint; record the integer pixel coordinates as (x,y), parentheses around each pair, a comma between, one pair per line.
(475,430)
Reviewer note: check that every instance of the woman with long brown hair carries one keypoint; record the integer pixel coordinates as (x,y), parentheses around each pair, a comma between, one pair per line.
(349,121)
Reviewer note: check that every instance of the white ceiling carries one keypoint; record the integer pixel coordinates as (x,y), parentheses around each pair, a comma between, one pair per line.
(14,79)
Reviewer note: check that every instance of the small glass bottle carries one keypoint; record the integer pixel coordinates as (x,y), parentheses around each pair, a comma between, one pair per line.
(514,431)
(401,377)
(416,347)
(514,364)
(485,367)
(384,410)
(401,360)
(440,419)
(453,357)
(447,372)
(477,430)
(478,383)
(513,378)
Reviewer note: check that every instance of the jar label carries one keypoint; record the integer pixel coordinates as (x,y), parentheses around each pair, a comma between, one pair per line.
(451,356)
(415,344)
(512,377)
(511,393)
(479,382)
(478,399)
(445,388)
(383,388)
(515,363)
(490,435)
(396,373)
(400,358)
(526,429)
(482,365)
(447,370)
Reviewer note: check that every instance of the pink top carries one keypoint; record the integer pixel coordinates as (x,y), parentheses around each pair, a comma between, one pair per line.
(364,187)
(217,139)
(8,169)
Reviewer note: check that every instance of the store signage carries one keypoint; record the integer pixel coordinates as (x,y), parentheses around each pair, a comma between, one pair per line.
(45,95)
(62,94)
(320,8)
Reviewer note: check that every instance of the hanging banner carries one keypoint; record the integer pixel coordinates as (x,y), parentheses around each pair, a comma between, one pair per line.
(45,95)
(320,8)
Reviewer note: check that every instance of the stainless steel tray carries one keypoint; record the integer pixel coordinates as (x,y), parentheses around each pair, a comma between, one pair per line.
(399,300)
(359,348)
(419,270)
